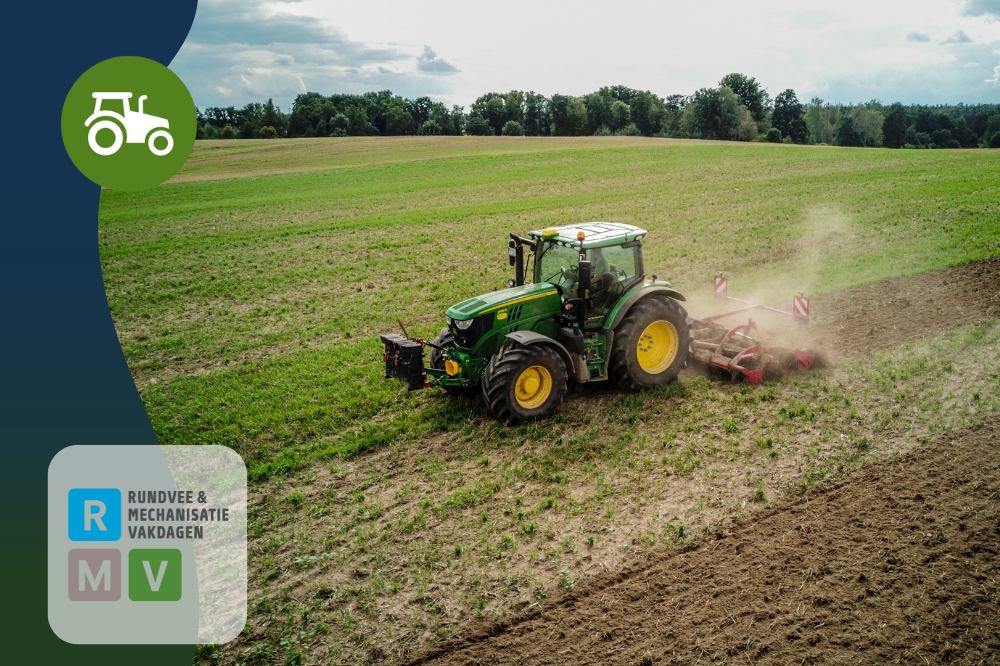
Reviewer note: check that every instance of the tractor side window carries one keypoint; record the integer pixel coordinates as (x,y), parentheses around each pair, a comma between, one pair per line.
(614,270)
(618,260)
(558,265)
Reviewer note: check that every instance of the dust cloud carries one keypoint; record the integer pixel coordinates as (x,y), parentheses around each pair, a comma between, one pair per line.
(824,231)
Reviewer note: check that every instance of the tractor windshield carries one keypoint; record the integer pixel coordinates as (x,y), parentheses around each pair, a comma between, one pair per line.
(557,265)
(614,269)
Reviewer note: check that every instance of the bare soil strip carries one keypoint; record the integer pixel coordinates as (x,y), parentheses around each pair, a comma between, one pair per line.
(897,561)
(880,316)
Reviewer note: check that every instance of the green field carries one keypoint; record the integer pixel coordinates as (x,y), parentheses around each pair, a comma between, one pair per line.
(248,306)
(249,291)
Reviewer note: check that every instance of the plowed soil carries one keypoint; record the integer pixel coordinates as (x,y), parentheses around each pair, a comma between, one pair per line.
(883,315)
(896,563)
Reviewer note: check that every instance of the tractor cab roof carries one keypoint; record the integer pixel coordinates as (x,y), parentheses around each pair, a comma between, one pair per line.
(595,234)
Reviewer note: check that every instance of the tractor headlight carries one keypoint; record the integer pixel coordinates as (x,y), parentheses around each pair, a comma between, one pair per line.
(468,332)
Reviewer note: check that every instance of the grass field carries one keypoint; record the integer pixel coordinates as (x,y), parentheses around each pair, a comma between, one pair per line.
(248,305)
(248,293)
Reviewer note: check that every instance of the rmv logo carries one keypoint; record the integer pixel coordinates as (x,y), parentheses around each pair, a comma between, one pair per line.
(95,514)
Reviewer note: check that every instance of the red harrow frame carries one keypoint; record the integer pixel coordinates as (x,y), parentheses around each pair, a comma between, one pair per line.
(739,351)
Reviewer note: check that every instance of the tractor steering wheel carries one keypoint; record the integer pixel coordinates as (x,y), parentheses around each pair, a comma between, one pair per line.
(568,276)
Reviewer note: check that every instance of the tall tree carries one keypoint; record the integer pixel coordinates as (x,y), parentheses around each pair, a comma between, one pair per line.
(645,111)
(787,117)
(847,135)
(817,120)
(598,111)
(894,126)
(868,121)
(558,115)
(535,115)
(618,115)
(577,121)
(754,97)
(717,113)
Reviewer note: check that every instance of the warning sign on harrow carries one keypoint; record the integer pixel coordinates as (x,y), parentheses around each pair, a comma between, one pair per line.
(800,306)
(721,288)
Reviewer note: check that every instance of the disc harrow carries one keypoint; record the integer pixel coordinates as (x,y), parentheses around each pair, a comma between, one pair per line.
(740,351)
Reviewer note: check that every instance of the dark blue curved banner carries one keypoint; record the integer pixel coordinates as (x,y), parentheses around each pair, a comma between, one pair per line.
(65,380)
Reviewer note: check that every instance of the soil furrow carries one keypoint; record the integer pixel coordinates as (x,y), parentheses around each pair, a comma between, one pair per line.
(898,560)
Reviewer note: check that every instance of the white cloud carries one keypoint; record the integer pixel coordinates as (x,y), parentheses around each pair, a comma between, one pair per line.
(982,8)
(852,50)
(996,76)
(429,63)
(959,38)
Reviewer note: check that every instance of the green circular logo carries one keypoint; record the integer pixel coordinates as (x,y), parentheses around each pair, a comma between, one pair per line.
(128,123)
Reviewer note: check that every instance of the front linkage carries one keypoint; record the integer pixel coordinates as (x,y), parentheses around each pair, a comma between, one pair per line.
(404,362)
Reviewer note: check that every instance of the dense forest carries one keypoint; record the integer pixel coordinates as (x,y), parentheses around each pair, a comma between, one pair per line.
(739,109)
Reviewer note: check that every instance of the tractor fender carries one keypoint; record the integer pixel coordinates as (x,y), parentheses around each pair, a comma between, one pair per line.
(617,314)
(576,367)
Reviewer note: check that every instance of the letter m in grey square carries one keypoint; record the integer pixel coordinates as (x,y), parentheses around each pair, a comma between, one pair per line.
(95,574)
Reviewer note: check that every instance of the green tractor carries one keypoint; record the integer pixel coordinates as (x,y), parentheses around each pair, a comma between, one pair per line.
(588,314)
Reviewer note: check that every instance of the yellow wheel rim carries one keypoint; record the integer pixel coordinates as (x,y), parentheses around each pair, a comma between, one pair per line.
(657,347)
(533,387)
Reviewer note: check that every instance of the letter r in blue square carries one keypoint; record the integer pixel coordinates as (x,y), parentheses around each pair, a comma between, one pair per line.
(95,514)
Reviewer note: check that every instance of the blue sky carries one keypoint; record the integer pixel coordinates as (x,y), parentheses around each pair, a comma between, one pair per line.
(919,51)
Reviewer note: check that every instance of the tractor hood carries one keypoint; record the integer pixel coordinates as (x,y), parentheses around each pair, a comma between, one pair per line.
(495,300)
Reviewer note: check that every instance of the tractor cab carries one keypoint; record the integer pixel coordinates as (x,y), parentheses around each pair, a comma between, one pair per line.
(613,251)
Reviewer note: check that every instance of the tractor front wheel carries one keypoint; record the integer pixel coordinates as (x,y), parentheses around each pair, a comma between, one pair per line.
(524,383)
(651,344)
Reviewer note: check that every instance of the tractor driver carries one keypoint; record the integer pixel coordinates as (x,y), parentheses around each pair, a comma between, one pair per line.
(604,277)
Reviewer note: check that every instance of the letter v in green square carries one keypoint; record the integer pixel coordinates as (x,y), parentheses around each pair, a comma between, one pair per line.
(154,574)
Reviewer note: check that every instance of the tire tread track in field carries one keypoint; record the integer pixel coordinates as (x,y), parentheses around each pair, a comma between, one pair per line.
(895,562)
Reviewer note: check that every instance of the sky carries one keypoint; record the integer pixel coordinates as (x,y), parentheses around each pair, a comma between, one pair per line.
(913,51)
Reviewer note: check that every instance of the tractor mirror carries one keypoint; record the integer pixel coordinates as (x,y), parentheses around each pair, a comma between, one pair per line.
(583,280)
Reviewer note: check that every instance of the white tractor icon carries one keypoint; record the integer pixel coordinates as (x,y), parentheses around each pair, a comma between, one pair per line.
(137,125)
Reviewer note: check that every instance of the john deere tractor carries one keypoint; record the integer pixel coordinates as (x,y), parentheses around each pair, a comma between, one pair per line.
(588,314)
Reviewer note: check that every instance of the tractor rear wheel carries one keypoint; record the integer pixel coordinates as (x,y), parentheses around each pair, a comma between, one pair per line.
(447,339)
(523,383)
(651,344)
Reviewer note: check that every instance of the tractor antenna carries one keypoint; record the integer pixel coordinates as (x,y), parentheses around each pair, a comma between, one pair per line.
(405,334)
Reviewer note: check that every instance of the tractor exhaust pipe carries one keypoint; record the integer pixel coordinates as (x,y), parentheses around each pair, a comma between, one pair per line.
(515,250)
(516,253)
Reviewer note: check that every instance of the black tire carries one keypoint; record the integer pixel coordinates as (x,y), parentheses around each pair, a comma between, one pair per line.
(446,339)
(512,364)
(625,369)
(437,358)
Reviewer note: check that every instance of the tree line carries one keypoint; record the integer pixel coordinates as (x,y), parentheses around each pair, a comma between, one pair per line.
(738,109)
